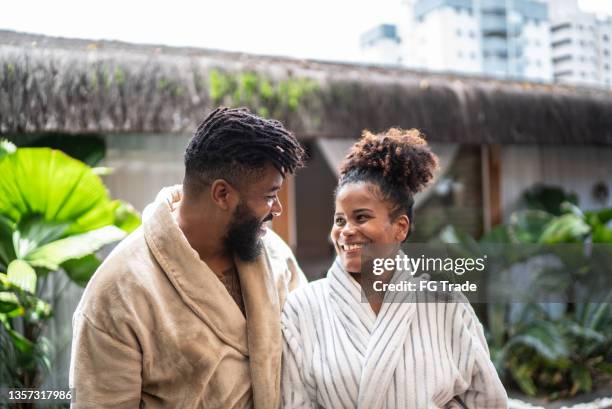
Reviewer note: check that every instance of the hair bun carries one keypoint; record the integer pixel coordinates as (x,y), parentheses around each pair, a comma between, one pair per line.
(403,158)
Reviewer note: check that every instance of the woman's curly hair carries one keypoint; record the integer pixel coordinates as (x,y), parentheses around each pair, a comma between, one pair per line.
(398,161)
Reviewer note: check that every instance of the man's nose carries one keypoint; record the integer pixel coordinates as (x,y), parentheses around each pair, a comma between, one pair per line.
(277,208)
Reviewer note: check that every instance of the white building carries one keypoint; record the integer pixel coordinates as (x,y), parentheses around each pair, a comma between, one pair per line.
(506,38)
(581,45)
(381,45)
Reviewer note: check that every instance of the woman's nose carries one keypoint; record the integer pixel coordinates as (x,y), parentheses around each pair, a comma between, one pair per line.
(347,230)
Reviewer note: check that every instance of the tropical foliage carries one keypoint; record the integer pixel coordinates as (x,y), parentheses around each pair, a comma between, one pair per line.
(55,214)
(561,348)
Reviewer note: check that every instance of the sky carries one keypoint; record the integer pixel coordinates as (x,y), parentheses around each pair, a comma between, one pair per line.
(319,29)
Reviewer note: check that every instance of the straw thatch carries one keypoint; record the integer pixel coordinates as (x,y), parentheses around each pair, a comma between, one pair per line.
(76,86)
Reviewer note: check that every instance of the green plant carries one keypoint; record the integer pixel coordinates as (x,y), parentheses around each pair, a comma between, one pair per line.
(267,98)
(55,213)
(556,349)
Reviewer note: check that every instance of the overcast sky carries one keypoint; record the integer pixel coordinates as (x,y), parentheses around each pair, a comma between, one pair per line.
(324,29)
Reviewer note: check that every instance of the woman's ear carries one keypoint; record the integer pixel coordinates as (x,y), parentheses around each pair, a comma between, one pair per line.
(402,226)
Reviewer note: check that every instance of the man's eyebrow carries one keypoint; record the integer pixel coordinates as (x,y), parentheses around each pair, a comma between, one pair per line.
(275,188)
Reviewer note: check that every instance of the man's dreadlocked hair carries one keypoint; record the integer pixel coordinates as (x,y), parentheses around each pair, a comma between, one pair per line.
(233,144)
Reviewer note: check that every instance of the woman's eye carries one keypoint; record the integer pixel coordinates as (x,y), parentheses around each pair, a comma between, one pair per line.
(362,218)
(339,222)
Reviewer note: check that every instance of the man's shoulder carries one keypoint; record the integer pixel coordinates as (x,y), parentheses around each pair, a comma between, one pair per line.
(125,276)
(276,246)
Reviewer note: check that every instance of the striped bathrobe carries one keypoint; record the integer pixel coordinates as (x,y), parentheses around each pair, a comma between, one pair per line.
(414,355)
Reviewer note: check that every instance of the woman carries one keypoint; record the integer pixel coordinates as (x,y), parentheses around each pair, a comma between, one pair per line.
(340,352)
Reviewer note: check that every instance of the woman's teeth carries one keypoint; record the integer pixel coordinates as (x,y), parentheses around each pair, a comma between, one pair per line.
(349,247)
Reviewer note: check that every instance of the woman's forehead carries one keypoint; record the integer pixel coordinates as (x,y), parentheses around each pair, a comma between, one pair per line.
(357,195)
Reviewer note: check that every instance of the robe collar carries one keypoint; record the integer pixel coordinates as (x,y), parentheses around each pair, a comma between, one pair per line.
(259,335)
(379,335)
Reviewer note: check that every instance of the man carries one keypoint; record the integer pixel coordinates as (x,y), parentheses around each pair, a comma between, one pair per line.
(185,312)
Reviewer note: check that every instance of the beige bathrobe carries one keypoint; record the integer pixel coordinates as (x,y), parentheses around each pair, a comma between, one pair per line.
(156,328)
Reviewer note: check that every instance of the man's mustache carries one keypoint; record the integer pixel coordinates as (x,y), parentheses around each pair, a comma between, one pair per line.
(268,218)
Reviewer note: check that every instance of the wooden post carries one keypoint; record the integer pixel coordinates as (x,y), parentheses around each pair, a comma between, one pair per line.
(285,224)
(491,185)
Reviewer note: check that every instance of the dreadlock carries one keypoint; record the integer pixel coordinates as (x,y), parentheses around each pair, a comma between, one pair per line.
(233,144)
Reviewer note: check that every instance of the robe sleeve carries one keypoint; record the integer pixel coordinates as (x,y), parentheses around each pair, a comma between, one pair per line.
(485,390)
(297,278)
(294,390)
(105,372)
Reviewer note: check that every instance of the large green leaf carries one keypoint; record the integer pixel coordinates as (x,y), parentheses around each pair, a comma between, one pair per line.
(90,149)
(52,255)
(598,217)
(582,379)
(59,188)
(548,198)
(568,228)
(33,232)
(9,304)
(527,226)
(126,217)
(81,269)
(7,250)
(523,375)
(22,275)
(544,337)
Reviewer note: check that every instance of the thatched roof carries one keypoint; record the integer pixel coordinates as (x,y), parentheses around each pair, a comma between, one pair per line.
(76,86)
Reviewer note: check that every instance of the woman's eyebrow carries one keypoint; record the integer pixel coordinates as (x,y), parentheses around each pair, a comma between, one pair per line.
(364,209)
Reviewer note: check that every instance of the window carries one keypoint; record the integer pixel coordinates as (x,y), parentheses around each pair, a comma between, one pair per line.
(606,52)
(580,27)
(605,38)
(583,74)
(472,34)
(460,54)
(607,67)
(560,27)
(458,33)
(537,43)
(538,63)
(473,56)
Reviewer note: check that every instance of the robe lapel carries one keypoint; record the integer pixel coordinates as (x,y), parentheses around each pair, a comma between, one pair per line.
(357,317)
(193,280)
(263,328)
(386,345)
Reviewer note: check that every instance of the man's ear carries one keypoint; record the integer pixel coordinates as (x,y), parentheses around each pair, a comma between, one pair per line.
(224,195)
(402,226)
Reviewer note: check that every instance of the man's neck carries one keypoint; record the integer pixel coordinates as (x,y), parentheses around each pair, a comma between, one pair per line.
(205,238)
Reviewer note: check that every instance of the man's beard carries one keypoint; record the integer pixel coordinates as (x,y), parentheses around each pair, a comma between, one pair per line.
(243,233)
